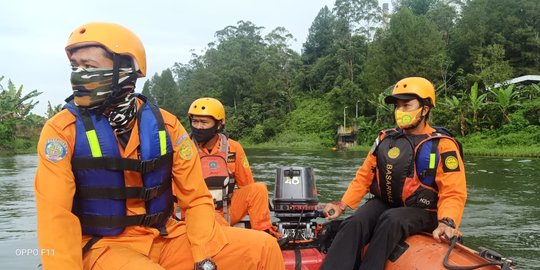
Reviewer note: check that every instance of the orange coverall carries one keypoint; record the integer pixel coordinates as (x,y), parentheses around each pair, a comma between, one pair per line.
(250,197)
(196,238)
(452,185)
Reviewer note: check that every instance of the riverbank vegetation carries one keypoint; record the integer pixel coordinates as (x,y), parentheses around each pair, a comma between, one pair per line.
(354,53)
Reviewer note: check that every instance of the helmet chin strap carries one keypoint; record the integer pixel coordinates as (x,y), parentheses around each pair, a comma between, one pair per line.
(221,126)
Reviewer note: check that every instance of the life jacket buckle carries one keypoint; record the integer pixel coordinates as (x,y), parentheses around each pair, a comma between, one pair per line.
(147,165)
(151,193)
(218,204)
(427,172)
(149,220)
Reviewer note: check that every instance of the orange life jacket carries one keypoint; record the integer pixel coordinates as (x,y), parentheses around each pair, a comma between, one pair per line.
(217,176)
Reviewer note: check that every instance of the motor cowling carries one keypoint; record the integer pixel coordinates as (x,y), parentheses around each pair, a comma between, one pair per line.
(295,192)
(296,203)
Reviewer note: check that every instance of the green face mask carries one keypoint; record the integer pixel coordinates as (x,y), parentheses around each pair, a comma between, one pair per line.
(406,120)
(92,86)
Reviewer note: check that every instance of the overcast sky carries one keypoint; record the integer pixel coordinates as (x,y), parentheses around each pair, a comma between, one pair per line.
(33,33)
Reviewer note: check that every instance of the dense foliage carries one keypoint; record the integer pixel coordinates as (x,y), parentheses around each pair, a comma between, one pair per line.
(353,55)
(19,128)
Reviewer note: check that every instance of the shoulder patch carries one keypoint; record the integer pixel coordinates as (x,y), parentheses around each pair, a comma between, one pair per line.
(231,158)
(245,162)
(185,150)
(55,149)
(450,162)
(180,139)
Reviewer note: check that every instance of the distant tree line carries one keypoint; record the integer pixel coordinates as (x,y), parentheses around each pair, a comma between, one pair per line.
(353,55)
(18,127)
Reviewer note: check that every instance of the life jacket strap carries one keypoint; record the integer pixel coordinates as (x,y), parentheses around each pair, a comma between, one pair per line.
(145,220)
(120,164)
(163,231)
(90,243)
(431,169)
(123,193)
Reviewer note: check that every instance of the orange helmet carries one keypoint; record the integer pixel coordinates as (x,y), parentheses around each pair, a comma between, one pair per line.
(208,107)
(410,88)
(115,38)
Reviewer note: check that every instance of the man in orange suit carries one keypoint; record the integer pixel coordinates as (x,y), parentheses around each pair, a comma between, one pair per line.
(224,165)
(417,177)
(108,164)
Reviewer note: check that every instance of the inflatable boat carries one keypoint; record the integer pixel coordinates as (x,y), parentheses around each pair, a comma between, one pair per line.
(307,237)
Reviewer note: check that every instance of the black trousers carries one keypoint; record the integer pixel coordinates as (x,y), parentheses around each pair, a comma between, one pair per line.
(382,227)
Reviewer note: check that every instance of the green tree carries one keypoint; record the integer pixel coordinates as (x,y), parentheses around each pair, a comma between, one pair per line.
(505,98)
(476,103)
(418,7)
(511,24)
(412,45)
(195,79)
(320,37)
(13,104)
(318,73)
(14,108)
(343,95)
(320,77)
(236,58)
(336,73)
(252,75)
(531,91)
(491,67)
(281,67)
(383,115)
(455,105)
(351,58)
(374,73)
(443,15)
(362,16)
(146,89)
(53,110)
(164,90)
(27,132)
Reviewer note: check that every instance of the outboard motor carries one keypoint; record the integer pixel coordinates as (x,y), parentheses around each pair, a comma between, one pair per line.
(296,206)
(296,203)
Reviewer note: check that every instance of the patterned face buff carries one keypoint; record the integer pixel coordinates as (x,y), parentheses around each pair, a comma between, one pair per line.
(122,114)
(407,120)
(92,86)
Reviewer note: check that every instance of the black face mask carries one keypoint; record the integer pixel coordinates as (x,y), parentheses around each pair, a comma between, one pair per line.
(203,135)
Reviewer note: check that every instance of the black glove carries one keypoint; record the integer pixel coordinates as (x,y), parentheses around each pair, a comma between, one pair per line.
(206,264)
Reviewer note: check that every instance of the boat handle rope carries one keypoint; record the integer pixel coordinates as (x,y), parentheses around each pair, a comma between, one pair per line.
(505,264)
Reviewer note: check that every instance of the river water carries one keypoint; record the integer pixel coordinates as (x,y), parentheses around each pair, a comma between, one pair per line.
(502,211)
